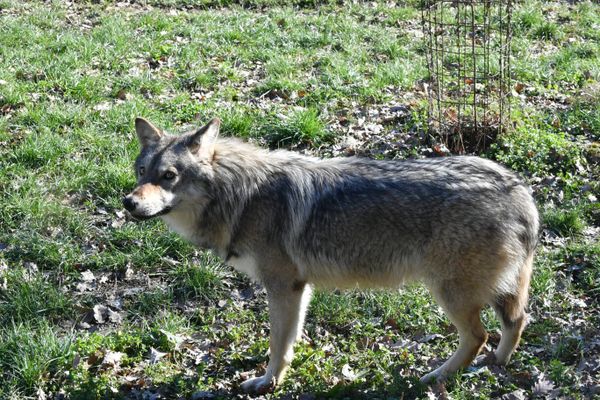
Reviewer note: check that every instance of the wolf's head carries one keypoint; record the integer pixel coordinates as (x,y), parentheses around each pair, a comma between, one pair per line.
(171,170)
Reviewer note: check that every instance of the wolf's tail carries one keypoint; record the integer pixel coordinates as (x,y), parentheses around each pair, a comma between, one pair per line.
(510,307)
(533,230)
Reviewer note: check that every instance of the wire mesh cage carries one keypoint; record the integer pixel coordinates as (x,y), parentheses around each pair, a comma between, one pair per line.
(468,58)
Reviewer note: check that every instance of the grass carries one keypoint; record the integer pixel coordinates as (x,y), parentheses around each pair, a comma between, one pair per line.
(564,222)
(33,357)
(295,74)
(29,297)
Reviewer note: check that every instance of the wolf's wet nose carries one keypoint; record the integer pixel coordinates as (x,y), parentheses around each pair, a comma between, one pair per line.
(129,203)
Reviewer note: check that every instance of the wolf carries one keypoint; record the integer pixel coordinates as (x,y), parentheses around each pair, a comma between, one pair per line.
(464,226)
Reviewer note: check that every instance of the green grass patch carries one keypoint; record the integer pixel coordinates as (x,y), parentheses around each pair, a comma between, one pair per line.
(203,282)
(29,297)
(33,357)
(546,30)
(538,150)
(564,222)
(303,127)
(293,74)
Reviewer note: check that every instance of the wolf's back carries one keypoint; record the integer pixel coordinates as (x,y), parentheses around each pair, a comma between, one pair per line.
(392,219)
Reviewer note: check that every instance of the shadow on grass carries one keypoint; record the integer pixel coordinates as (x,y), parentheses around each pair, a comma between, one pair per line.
(181,387)
(400,387)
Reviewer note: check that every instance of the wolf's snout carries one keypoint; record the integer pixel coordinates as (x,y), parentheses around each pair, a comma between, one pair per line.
(129,203)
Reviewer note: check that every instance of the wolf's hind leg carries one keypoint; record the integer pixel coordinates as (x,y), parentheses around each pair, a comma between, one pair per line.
(510,309)
(287,309)
(472,336)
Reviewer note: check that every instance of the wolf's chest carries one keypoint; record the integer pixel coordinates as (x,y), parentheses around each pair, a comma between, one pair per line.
(184,224)
(246,265)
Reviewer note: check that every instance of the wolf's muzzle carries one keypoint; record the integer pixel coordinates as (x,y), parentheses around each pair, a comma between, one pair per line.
(129,203)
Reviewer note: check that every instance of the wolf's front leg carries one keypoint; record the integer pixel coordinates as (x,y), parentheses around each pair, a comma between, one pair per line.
(287,309)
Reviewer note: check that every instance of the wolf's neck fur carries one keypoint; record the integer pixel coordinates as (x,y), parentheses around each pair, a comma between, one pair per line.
(241,172)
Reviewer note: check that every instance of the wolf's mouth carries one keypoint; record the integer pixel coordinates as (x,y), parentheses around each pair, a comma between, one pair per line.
(164,211)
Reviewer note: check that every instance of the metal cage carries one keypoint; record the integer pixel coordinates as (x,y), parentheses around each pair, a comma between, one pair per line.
(468,58)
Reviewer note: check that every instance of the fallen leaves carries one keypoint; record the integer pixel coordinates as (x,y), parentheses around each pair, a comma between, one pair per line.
(378,128)
(112,360)
(103,106)
(519,87)
(90,282)
(103,314)
(544,388)
(122,94)
(518,394)
(88,276)
(155,355)
(3,270)
(348,373)
(100,313)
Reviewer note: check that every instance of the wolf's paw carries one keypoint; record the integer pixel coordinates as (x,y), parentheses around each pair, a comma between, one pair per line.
(259,385)
(436,376)
(484,359)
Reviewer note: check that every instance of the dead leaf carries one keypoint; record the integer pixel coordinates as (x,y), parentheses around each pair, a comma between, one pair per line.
(155,355)
(174,338)
(392,323)
(328,349)
(543,386)
(348,373)
(438,391)
(41,395)
(3,269)
(104,106)
(429,338)
(122,94)
(88,276)
(100,313)
(94,358)
(117,223)
(132,381)
(83,287)
(114,317)
(129,272)
(519,87)
(112,359)
(518,394)
(451,115)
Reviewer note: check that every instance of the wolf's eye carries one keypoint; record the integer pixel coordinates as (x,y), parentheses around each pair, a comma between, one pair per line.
(169,175)
(141,171)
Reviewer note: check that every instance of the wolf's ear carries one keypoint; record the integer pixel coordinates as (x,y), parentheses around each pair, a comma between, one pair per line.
(202,142)
(147,133)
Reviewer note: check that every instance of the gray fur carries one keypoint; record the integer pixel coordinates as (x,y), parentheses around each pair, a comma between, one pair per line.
(465,226)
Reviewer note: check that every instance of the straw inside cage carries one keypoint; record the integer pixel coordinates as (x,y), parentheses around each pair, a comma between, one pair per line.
(468,57)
